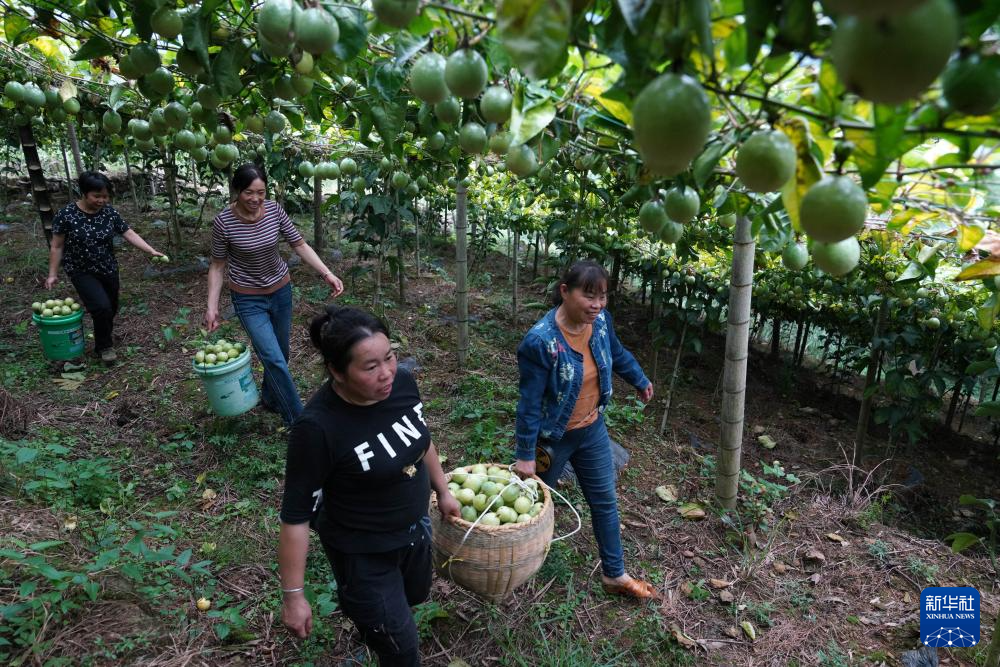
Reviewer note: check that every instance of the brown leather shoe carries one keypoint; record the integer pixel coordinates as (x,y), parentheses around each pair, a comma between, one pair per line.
(634,588)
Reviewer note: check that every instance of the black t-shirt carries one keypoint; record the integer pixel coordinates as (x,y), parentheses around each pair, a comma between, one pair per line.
(88,247)
(368,463)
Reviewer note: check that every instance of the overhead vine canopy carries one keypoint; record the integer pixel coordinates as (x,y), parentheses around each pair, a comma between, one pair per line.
(899,98)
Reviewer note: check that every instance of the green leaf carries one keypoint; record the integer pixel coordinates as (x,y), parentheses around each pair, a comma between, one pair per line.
(967,499)
(698,13)
(980,367)
(142,12)
(535,34)
(115,100)
(196,31)
(27,589)
(25,455)
(48,544)
(226,69)
(962,541)
(18,29)
(988,409)
(407,46)
(529,118)
(705,164)
(980,20)
(759,15)
(353,32)
(95,47)
(633,11)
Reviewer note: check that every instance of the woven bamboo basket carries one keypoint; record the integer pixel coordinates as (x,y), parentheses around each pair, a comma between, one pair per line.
(493,560)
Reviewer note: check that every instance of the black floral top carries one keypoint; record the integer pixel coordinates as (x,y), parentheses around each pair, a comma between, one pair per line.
(88,247)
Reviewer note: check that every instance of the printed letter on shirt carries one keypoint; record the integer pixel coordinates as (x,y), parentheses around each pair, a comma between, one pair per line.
(385,443)
(419,409)
(404,431)
(364,453)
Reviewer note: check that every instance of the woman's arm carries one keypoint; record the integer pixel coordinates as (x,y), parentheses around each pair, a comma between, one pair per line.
(55,258)
(139,243)
(533,364)
(293,546)
(215,274)
(309,256)
(446,502)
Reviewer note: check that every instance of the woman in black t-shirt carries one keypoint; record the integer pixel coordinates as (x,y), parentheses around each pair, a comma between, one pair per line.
(82,235)
(361,462)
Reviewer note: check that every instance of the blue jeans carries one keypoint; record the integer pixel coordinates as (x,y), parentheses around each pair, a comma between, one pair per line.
(267,318)
(589,450)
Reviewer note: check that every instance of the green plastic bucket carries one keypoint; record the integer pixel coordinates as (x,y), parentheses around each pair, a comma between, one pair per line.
(230,386)
(62,337)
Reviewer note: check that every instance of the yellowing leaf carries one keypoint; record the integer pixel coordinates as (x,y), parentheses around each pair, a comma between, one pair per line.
(682,638)
(691,511)
(200,479)
(69,523)
(807,170)
(749,630)
(834,537)
(982,269)
(969,236)
(112,395)
(67,90)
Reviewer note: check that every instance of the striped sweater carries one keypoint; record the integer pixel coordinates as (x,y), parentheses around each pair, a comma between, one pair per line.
(251,248)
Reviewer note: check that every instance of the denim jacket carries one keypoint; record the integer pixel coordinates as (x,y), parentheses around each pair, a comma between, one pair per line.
(552,373)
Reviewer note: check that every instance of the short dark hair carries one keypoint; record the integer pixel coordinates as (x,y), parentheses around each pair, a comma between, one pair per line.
(585,274)
(338,329)
(94,181)
(246,174)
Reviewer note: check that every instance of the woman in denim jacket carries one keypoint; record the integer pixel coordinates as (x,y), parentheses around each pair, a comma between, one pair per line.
(565,362)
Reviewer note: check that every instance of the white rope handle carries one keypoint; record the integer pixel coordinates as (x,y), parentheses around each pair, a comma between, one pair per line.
(515,480)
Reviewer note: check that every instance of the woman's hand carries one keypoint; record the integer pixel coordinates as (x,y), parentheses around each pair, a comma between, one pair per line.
(524,468)
(645,395)
(51,281)
(212,321)
(296,614)
(448,506)
(335,283)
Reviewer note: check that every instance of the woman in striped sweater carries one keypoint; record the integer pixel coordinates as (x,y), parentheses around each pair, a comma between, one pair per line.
(245,237)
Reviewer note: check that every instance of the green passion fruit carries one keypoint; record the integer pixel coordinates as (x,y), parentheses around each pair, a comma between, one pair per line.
(396,13)
(795,256)
(427,78)
(472,138)
(671,119)
(890,60)
(682,204)
(837,259)
(833,209)
(495,105)
(465,73)
(652,217)
(972,85)
(766,161)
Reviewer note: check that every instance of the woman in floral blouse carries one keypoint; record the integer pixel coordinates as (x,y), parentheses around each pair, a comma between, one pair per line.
(82,235)
(565,362)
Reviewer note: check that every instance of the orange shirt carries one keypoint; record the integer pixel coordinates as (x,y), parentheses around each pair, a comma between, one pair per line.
(585,410)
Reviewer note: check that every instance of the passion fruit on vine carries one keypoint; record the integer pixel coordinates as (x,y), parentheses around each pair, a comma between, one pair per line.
(671,120)
(972,85)
(427,78)
(893,59)
(833,209)
(466,73)
(652,217)
(837,259)
(496,104)
(396,13)
(682,204)
(766,161)
(795,256)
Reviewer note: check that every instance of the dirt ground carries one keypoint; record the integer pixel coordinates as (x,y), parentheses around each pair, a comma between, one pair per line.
(826,571)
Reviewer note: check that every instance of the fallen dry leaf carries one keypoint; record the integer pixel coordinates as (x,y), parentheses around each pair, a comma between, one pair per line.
(767,442)
(687,553)
(682,638)
(666,493)
(834,537)
(815,579)
(691,511)
(69,523)
(732,631)
(719,583)
(816,556)
(779,567)
(726,597)
(208,494)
